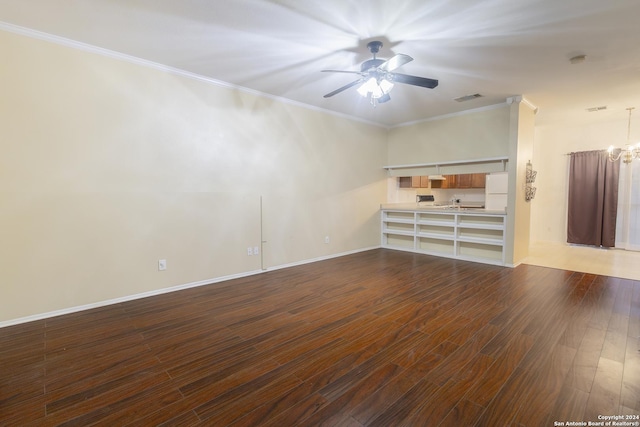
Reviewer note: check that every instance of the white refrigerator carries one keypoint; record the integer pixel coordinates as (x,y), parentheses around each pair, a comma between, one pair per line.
(496,190)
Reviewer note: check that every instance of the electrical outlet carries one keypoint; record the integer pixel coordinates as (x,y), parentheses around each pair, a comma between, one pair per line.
(249,251)
(256,250)
(326,239)
(162,264)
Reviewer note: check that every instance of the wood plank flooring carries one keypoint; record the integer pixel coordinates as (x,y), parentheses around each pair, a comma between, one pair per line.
(379,338)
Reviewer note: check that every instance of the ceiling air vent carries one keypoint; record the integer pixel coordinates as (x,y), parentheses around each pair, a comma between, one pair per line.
(594,109)
(468,97)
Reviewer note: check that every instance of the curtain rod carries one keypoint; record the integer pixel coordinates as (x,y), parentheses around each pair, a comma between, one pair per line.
(588,151)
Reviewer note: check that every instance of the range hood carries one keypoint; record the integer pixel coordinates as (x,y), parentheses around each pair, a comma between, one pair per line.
(436,178)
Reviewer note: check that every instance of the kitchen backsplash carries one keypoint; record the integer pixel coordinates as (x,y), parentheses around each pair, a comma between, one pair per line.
(471,195)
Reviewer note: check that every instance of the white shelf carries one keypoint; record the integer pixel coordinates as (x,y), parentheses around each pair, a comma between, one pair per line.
(398,232)
(462,235)
(489,164)
(401,221)
(494,242)
(436,236)
(482,226)
(448,220)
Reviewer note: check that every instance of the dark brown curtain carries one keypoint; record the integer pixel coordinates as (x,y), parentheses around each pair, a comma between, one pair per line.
(593,199)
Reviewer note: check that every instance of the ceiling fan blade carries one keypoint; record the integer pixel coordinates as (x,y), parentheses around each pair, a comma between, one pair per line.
(395,62)
(345,87)
(414,80)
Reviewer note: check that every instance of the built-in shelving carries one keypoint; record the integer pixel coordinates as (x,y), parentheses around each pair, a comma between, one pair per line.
(472,236)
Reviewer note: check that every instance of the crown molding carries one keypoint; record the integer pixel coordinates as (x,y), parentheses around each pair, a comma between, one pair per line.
(85,47)
(456,114)
(521,99)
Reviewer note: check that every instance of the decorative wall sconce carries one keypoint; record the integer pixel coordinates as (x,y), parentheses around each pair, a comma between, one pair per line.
(530,177)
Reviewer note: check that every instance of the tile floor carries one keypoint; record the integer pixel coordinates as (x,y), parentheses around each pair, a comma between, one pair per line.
(606,262)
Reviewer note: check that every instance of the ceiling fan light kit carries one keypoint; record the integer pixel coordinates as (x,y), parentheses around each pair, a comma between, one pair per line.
(377,79)
(374,88)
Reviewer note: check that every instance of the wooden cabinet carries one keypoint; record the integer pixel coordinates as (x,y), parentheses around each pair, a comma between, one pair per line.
(469,180)
(463,181)
(449,181)
(405,182)
(478,180)
(413,182)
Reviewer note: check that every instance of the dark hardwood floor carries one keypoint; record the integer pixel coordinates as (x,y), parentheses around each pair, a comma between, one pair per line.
(379,338)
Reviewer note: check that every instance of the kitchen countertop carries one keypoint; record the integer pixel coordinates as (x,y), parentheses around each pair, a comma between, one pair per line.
(424,208)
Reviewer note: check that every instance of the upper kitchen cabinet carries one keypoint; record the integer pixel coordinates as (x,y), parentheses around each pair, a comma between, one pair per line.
(463,181)
(449,181)
(413,182)
(478,180)
(409,182)
(469,180)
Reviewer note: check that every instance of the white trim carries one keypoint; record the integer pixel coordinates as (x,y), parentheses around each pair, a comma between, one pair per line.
(525,101)
(529,104)
(84,307)
(124,299)
(456,114)
(322,258)
(28,32)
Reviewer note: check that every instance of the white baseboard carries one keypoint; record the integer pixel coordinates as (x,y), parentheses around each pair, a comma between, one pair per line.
(322,258)
(84,307)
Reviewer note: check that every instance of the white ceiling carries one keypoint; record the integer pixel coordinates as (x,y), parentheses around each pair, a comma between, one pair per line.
(498,48)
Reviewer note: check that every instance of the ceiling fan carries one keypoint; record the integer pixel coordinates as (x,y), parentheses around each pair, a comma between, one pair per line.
(377,78)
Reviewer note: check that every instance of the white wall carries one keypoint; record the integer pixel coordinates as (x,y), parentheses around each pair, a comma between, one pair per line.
(109,166)
(552,144)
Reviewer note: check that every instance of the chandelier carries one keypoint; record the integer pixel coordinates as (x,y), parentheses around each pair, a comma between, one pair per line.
(629,152)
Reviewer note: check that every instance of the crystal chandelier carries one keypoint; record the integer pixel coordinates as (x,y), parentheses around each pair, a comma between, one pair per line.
(629,152)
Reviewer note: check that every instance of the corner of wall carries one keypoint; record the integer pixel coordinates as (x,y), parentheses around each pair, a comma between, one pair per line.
(521,137)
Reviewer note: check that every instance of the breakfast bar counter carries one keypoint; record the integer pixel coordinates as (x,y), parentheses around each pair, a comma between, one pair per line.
(471,234)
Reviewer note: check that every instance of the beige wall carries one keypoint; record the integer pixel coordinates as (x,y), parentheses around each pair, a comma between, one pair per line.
(109,166)
(552,143)
(522,131)
(473,135)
